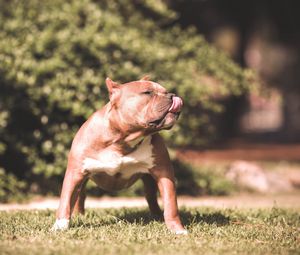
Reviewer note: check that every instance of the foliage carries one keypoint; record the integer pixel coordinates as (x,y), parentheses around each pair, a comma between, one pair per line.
(131,231)
(56,54)
(202,180)
(10,187)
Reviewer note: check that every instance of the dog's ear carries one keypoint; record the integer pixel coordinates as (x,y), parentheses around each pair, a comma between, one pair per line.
(113,90)
(145,78)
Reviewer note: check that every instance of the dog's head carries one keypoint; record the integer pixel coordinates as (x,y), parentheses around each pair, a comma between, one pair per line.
(144,104)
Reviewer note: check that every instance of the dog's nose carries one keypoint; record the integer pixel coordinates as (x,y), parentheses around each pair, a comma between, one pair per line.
(170,95)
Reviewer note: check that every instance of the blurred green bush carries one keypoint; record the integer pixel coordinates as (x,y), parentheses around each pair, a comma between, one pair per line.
(195,180)
(55,56)
(11,189)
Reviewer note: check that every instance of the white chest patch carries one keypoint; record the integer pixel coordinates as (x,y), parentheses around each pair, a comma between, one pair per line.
(110,162)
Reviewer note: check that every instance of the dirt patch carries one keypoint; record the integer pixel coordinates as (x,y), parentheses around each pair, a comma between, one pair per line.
(239,201)
(250,152)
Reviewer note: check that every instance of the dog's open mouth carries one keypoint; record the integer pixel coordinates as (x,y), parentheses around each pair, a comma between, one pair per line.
(156,123)
(169,118)
(160,122)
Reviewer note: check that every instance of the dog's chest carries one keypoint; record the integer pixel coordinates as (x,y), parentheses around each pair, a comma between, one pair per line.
(112,163)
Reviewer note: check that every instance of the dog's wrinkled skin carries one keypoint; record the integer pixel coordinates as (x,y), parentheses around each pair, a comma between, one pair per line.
(119,144)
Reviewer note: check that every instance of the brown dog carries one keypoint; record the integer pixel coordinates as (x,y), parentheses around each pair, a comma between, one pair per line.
(119,144)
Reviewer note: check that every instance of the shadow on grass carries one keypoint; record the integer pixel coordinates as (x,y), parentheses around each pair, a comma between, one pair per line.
(214,218)
(144,217)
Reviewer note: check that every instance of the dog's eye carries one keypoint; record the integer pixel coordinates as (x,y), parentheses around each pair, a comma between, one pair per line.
(148,92)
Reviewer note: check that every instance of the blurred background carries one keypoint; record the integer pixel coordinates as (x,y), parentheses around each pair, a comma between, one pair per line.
(235,63)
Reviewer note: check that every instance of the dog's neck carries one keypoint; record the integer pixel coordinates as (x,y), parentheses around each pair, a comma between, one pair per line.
(126,138)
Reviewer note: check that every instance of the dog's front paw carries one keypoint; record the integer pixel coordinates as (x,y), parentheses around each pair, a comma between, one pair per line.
(60,225)
(181,232)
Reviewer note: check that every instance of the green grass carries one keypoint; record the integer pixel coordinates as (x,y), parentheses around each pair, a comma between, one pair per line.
(132,231)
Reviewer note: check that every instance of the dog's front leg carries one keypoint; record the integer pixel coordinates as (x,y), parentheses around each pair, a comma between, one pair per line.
(72,185)
(171,216)
(163,173)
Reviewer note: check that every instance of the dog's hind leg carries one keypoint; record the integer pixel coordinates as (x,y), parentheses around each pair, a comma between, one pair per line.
(79,203)
(150,188)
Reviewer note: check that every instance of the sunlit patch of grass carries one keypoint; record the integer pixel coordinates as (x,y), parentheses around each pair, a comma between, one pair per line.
(133,231)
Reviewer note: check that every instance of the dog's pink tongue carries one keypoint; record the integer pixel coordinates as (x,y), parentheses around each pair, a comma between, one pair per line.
(176,105)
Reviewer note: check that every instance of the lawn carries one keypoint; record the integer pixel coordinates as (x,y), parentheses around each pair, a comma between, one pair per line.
(132,231)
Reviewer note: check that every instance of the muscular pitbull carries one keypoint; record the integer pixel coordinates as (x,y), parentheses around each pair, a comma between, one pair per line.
(119,144)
